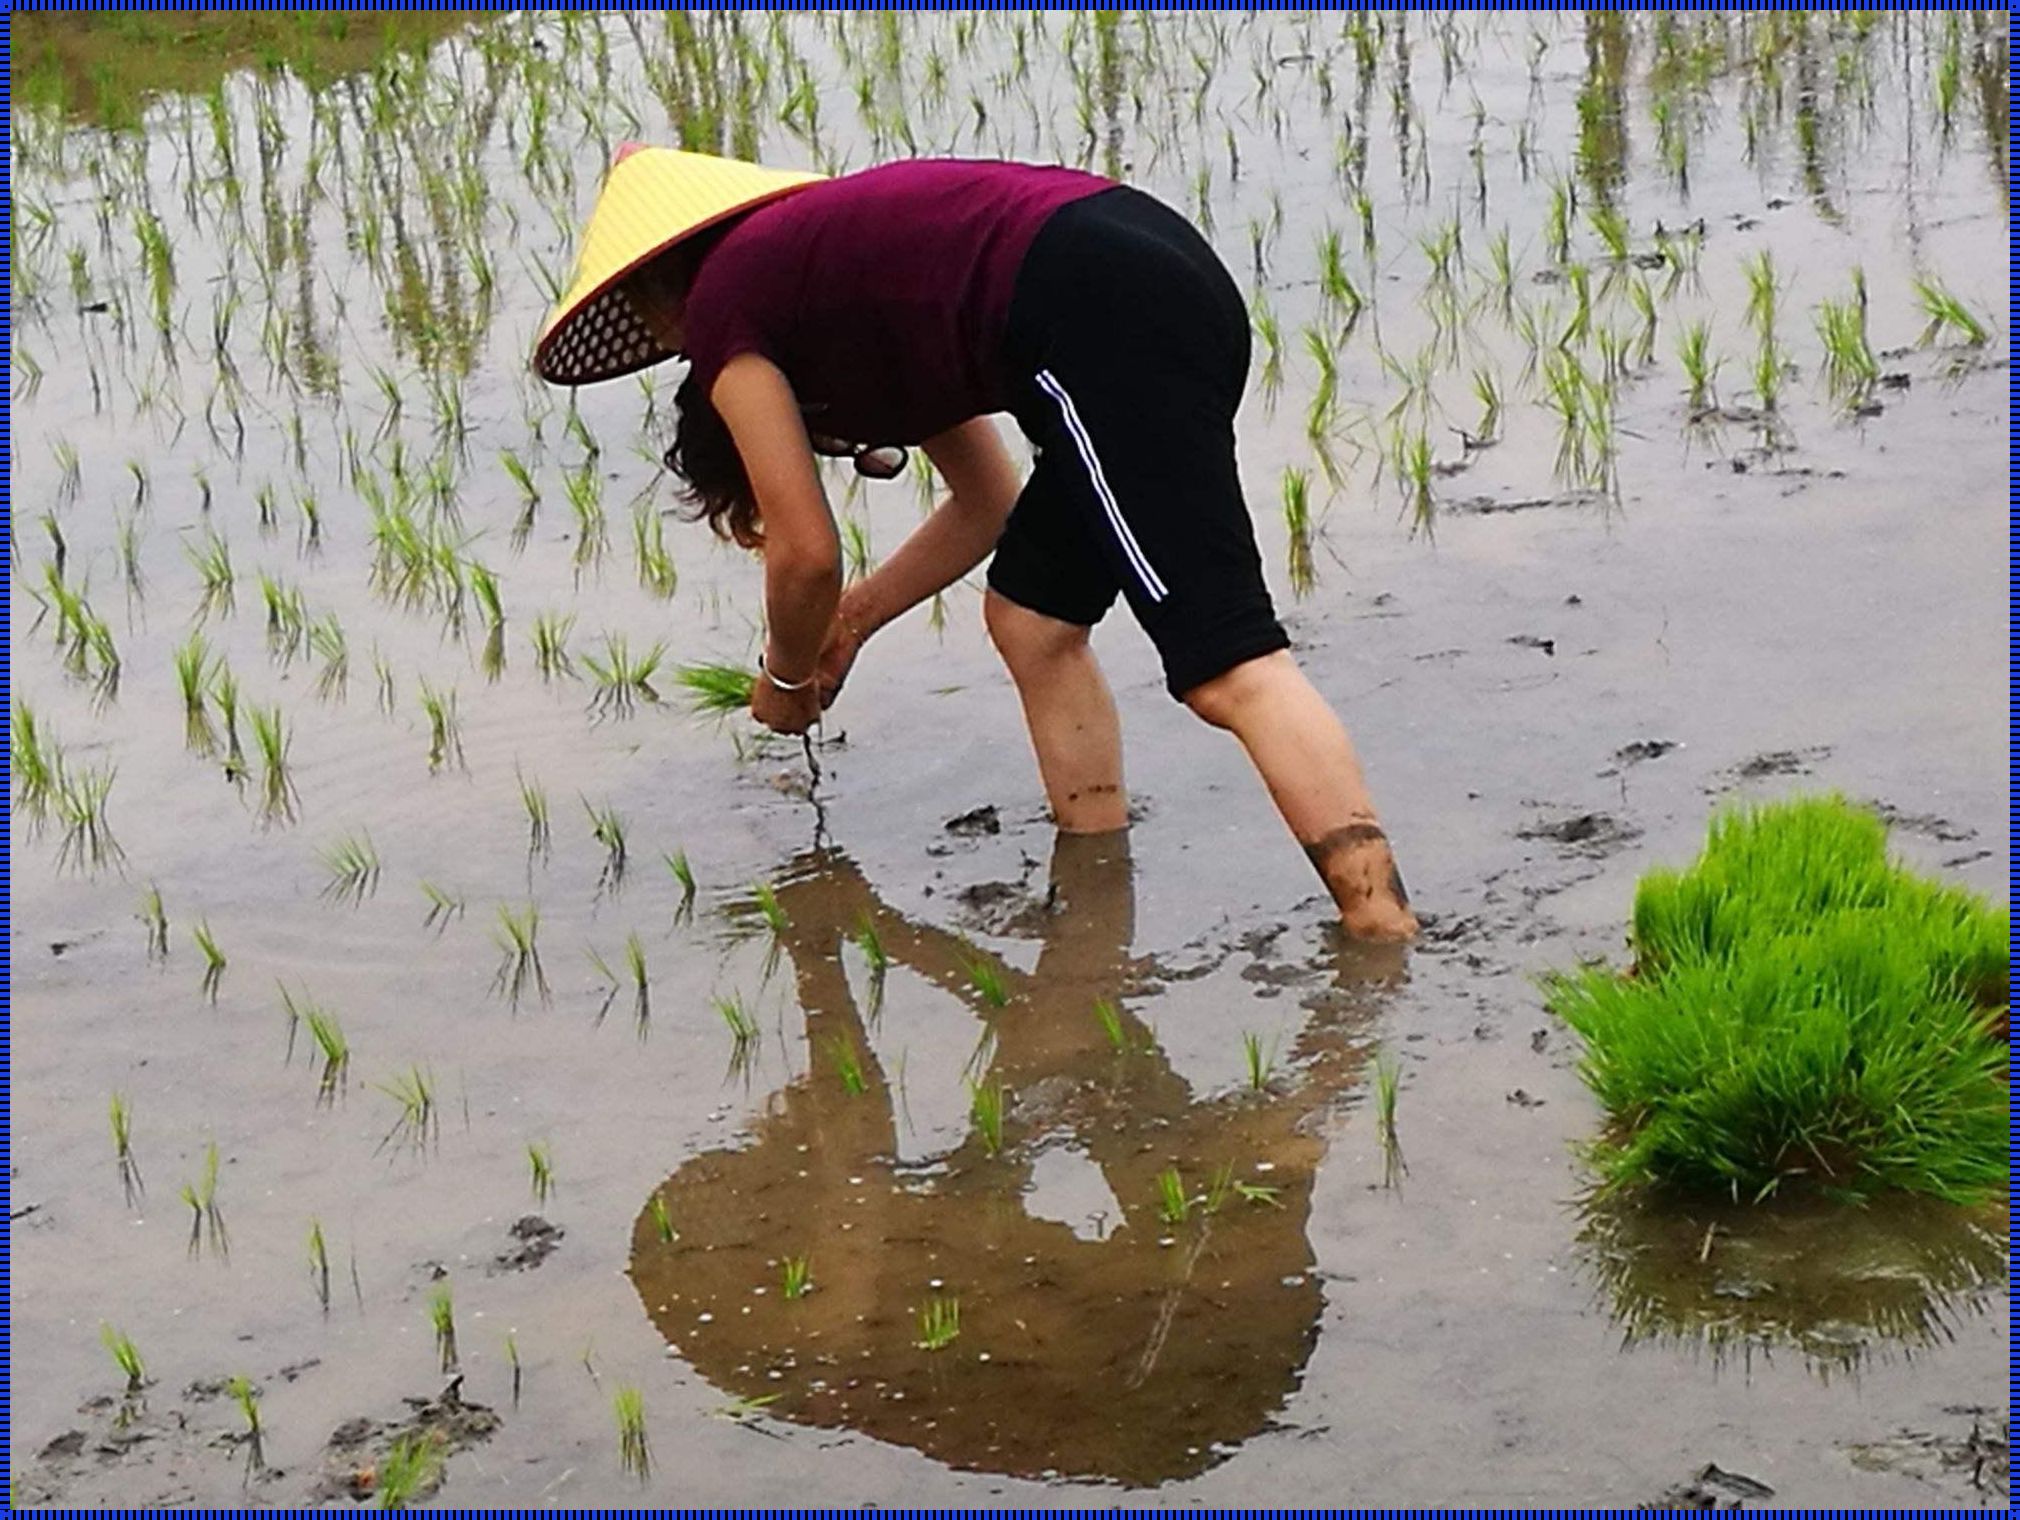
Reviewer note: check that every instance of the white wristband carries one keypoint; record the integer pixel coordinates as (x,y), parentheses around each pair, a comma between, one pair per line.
(765,670)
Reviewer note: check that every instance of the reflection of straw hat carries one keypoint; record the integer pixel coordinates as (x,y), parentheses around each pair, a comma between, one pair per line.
(652,199)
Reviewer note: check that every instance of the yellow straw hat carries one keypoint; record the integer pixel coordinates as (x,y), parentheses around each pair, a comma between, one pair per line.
(652,198)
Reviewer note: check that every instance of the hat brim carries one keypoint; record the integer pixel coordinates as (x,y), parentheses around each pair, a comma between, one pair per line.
(595,333)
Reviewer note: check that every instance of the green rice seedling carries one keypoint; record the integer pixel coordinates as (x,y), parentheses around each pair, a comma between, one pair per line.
(442,1317)
(59,548)
(1337,291)
(353,866)
(607,826)
(1109,1017)
(443,905)
(622,680)
(518,937)
(1270,376)
(1850,370)
(1174,1203)
(1611,227)
(539,824)
(848,1066)
(213,958)
(1947,314)
(1763,293)
(206,1223)
(484,587)
(662,1221)
(126,538)
(592,525)
(648,547)
(247,1398)
(540,1159)
(35,767)
(287,619)
(382,675)
(512,1361)
(1641,296)
(1297,504)
(986,977)
(1261,1060)
(279,801)
(1257,1193)
(319,1264)
(550,646)
(1364,209)
(1802,1010)
(121,1112)
(796,1274)
(683,873)
(857,556)
(445,730)
(1557,224)
(309,537)
(641,982)
(766,900)
(633,1451)
(212,559)
(939,1323)
(717,690)
(1217,1188)
(742,1026)
(1769,366)
(82,793)
(125,1356)
(1488,391)
(154,918)
(419,1122)
(334,1049)
(1325,398)
(409,1469)
(1700,368)
(1579,329)
(1501,272)
(529,496)
(327,643)
(1413,470)
(1388,1078)
(985,1108)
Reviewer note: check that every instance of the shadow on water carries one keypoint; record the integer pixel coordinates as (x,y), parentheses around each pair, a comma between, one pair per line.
(1136,1349)
(1840,1285)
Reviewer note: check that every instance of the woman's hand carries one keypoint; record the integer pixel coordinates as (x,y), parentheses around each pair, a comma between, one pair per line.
(785,712)
(838,655)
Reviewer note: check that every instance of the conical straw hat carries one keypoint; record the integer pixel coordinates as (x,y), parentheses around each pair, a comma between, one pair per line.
(651,199)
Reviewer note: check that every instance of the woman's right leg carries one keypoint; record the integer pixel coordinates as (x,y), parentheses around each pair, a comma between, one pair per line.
(1069,711)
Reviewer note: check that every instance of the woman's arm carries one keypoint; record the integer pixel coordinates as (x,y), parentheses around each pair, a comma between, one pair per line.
(803,554)
(982,487)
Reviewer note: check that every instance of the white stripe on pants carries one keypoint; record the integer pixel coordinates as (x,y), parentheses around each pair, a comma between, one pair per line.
(1131,550)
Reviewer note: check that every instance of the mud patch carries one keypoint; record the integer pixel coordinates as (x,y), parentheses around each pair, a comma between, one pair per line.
(356,1447)
(534,1241)
(1929,825)
(1776,762)
(1968,1466)
(1712,1488)
(976,823)
(1588,833)
(1488,506)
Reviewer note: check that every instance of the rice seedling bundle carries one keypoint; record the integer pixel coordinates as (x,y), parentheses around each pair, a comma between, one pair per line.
(1800,1007)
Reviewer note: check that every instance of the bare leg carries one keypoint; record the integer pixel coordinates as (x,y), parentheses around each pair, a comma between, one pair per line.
(1071,715)
(1309,765)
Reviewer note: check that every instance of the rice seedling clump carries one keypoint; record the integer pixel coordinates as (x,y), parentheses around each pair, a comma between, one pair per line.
(1800,1007)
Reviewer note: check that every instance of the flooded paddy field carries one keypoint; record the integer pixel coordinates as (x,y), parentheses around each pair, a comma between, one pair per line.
(541,1094)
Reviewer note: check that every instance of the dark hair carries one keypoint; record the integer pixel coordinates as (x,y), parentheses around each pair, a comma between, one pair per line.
(714,483)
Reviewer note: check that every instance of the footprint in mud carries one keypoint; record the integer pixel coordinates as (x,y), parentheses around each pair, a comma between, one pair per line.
(1972,1467)
(1712,1488)
(534,1240)
(1779,762)
(939,1304)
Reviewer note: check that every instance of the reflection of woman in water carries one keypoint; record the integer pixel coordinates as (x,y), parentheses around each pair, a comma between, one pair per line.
(905,304)
(1141,1355)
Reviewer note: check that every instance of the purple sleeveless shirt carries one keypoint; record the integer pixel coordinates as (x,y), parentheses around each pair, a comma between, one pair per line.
(882,295)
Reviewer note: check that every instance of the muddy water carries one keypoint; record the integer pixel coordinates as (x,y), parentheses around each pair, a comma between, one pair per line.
(1548,699)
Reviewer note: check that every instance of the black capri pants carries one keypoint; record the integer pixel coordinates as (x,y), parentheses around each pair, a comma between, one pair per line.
(1128,350)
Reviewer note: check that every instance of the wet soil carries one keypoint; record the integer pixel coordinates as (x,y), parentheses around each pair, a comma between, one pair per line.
(1549,694)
